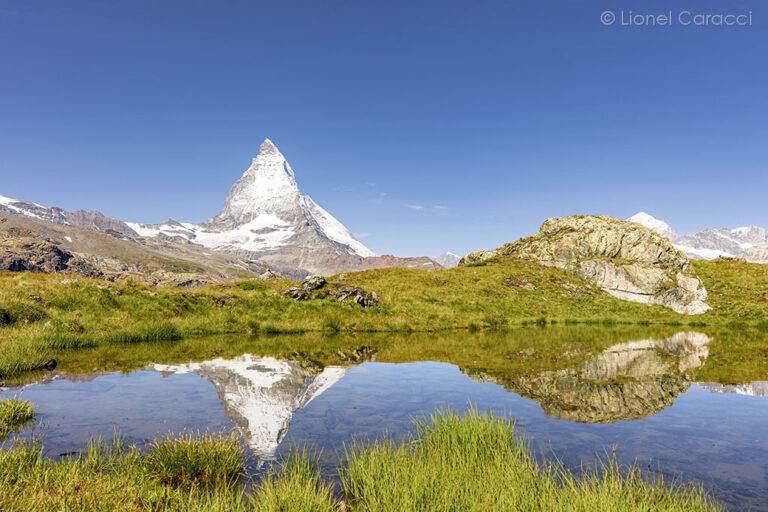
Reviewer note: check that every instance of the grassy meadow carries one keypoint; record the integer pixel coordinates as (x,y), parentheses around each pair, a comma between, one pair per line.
(470,462)
(43,314)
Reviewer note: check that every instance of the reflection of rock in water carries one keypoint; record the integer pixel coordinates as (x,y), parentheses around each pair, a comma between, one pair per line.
(754,388)
(260,394)
(627,381)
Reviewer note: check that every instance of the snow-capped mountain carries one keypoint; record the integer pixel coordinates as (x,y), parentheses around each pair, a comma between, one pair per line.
(265,210)
(448,260)
(655,224)
(749,242)
(266,221)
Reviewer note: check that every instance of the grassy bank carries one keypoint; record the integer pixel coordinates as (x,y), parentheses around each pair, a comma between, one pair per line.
(474,462)
(41,314)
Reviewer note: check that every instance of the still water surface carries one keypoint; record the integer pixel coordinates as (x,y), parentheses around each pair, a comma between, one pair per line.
(636,397)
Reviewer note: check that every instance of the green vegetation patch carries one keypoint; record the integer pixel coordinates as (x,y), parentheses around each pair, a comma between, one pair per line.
(14,414)
(478,462)
(196,459)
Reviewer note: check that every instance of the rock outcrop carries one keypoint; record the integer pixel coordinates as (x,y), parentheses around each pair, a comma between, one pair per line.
(21,251)
(625,259)
(316,287)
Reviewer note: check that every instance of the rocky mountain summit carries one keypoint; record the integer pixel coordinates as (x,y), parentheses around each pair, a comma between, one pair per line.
(748,242)
(265,210)
(625,259)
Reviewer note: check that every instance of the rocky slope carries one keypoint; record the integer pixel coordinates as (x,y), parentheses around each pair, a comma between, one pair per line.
(748,242)
(40,246)
(625,259)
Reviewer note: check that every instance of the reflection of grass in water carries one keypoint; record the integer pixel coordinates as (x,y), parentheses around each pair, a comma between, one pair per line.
(14,414)
(474,462)
(734,356)
(39,317)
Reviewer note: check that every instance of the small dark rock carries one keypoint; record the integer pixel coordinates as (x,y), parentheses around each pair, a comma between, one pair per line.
(50,365)
(297,293)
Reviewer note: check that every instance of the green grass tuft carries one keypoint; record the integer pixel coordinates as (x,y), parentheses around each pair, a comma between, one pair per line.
(14,414)
(297,487)
(196,459)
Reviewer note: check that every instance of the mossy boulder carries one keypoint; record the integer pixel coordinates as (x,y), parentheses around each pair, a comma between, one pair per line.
(627,260)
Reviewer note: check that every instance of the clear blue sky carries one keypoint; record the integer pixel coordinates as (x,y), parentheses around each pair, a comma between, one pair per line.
(423,126)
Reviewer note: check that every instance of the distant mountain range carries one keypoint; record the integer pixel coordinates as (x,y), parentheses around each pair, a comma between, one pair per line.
(266,221)
(748,242)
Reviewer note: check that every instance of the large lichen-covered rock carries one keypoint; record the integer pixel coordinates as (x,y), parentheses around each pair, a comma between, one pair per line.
(627,260)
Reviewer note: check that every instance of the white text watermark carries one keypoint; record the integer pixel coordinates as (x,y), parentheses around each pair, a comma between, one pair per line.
(683,18)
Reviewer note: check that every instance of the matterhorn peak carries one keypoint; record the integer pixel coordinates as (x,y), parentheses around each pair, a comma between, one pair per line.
(268,148)
(265,210)
(653,223)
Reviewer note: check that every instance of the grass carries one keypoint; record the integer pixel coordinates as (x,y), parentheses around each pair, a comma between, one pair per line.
(478,462)
(470,462)
(202,459)
(14,414)
(296,486)
(105,477)
(43,320)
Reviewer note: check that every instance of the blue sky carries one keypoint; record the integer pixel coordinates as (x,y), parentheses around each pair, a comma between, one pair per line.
(423,126)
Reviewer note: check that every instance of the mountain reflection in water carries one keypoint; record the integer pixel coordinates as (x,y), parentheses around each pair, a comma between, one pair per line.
(260,394)
(627,381)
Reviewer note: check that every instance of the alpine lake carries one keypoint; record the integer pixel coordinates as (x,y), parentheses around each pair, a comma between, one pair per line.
(671,400)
